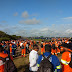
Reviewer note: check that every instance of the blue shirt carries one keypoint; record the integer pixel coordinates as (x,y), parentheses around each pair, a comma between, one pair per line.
(14,46)
(53,59)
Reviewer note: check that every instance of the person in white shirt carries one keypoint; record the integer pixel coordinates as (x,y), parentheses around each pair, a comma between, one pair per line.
(33,57)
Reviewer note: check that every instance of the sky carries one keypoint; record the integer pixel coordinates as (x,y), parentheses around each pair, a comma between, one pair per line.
(36,17)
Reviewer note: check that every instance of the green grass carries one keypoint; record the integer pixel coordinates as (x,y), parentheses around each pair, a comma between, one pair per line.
(41,40)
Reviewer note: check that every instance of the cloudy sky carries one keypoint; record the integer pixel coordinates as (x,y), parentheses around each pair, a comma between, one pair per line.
(36,17)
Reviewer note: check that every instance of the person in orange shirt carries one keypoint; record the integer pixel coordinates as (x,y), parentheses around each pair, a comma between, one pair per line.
(10,48)
(54,50)
(66,58)
(66,41)
(3,55)
(41,47)
(22,48)
(63,40)
(34,42)
(60,47)
(56,44)
(44,47)
(25,49)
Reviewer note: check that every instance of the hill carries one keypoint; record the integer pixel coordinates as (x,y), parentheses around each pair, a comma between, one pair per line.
(4,36)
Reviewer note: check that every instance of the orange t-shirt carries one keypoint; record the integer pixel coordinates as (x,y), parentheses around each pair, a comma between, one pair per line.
(66,57)
(43,45)
(24,45)
(3,55)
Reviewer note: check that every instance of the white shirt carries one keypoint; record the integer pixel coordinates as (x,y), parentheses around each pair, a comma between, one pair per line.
(21,44)
(27,45)
(33,57)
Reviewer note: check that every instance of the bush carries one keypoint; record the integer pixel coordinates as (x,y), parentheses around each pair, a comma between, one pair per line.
(5,37)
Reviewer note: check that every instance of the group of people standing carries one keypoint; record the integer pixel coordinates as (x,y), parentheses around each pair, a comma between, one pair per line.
(39,64)
(49,51)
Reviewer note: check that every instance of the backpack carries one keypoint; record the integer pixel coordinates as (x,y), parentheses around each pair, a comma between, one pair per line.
(9,65)
(45,65)
(70,64)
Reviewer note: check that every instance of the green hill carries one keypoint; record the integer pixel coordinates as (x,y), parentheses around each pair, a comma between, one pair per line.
(4,36)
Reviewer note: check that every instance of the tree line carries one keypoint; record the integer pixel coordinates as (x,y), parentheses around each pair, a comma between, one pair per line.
(5,37)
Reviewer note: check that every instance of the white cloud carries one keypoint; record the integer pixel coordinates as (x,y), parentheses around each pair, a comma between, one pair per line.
(30,21)
(68,31)
(25,14)
(44,29)
(53,30)
(7,30)
(53,25)
(16,14)
(67,18)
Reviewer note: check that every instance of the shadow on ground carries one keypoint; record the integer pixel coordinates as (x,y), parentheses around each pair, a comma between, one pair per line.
(23,68)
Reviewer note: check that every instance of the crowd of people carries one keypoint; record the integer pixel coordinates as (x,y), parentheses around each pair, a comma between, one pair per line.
(49,51)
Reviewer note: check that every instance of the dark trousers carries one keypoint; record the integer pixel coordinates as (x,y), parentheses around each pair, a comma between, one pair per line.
(13,52)
(27,50)
(7,51)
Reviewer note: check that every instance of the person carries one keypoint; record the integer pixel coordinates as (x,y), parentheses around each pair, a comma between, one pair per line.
(27,47)
(70,44)
(41,47)
(10,45)
(13,49)
(7,48)
(44,47)
(4,46)
(33,57)
(3,55)
(66,58)
(54,50)
(22,47)
(53,59)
